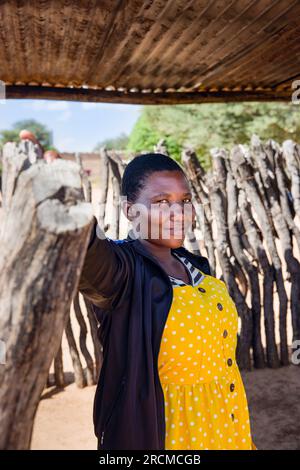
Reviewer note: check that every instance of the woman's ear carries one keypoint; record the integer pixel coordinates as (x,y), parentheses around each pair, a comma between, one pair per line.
(126,208)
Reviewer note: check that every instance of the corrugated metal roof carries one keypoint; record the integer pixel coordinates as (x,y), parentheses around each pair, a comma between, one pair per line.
(150,51)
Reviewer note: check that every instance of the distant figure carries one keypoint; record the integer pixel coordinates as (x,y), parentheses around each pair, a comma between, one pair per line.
(48,155)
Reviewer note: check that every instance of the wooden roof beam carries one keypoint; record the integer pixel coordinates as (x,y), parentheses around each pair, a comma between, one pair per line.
(211,95)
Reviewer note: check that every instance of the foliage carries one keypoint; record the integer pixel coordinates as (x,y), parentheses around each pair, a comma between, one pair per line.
(115,143)
(43,134)
(204,126)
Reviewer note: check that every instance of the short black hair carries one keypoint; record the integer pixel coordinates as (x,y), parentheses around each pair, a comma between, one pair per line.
(142,166)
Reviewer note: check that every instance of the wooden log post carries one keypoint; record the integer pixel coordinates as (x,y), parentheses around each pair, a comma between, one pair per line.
(226,260)
(79,376)
(284,188)
(291,152)
(90,376)
(104,170)
(246,176)
(86,183)
(221,168)
(196,176)
(245,271)
(98,350)
(44,237)
(161,147)
(59,376)
(260,257)
(266,164)
(249,269)
(115,173)
(81,379)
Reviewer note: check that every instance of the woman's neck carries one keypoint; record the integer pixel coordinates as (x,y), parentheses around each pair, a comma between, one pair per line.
(163,253)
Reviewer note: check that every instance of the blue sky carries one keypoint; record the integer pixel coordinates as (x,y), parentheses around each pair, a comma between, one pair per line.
(76,126)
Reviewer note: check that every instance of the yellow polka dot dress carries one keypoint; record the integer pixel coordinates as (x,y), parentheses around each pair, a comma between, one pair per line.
(205,401)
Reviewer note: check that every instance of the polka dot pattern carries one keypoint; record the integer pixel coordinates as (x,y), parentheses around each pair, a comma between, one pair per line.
(205,400)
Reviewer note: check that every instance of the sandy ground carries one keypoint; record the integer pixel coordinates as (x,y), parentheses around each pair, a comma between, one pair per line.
(64,419)
(273,399)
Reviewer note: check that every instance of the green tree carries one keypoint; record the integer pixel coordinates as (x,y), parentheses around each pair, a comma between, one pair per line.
(43,134)
(204,126)
(146,134)
(115,143)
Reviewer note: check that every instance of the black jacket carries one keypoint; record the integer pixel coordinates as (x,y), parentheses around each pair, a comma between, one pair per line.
(132,295)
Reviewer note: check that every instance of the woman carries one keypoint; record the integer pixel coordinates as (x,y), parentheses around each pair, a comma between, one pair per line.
(169,378)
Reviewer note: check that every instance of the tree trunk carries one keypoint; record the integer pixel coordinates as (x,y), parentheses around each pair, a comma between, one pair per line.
(196,176)
(79,375)
(291,152)
(250,270)
(98,353)
(44,236)
(244,340)
(104,170)
(82,341)
(59,377)
(267,168)
(255,240)
(246,177)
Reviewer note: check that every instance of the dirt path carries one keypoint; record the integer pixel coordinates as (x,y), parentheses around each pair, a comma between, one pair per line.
(64,420)
(273,398)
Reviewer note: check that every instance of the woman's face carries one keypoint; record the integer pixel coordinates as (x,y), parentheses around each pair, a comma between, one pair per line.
(163,211)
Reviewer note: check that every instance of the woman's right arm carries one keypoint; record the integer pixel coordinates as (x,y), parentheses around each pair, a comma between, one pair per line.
(105,270)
